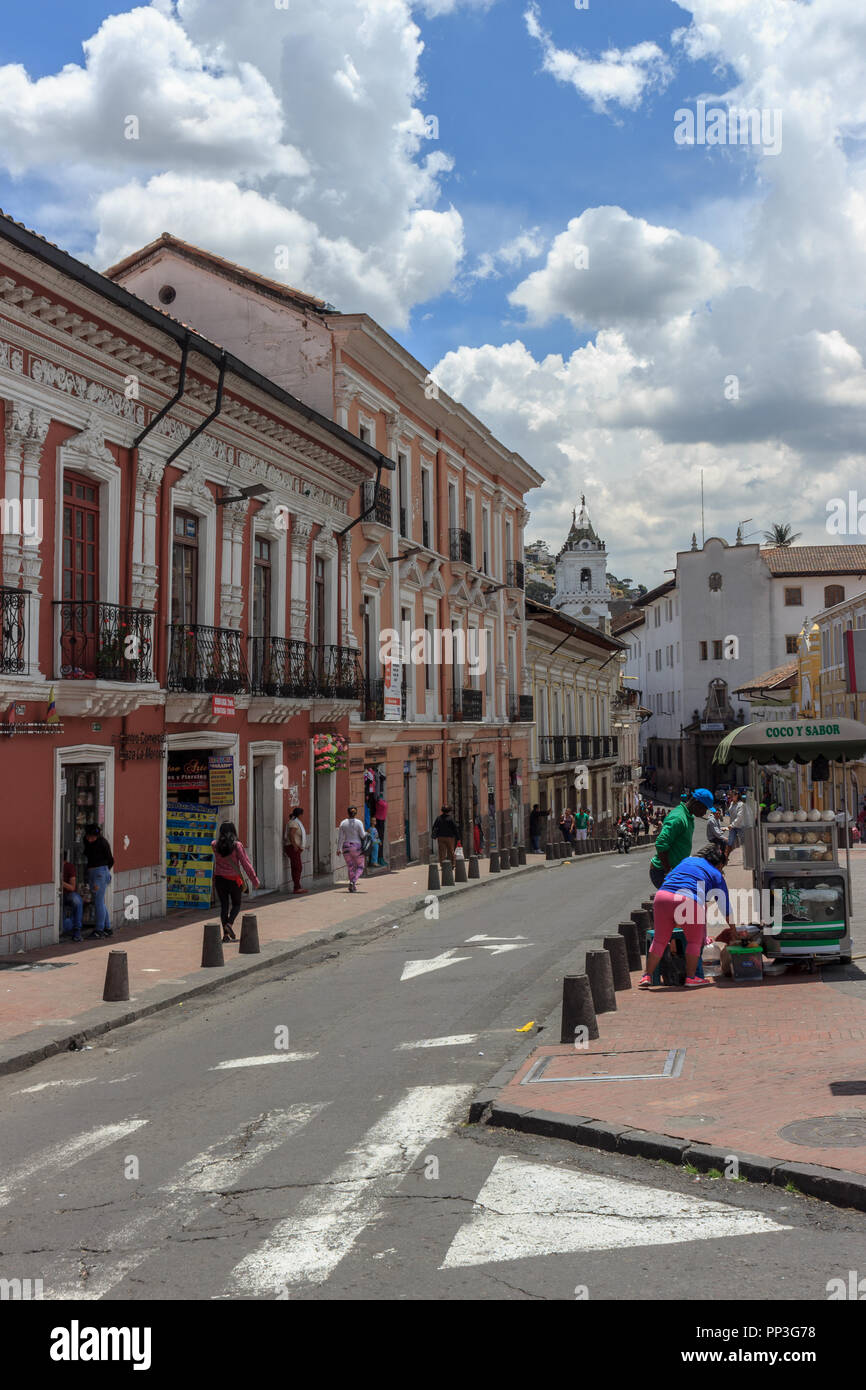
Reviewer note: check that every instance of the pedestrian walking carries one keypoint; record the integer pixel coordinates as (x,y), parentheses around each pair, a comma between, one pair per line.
(229,858)
(674,840)
(445,833)
(581,824)
(566,821)
(374,855)
(100,862)
(73,907)
(741,818)
(537,817)
(681,901)
(716,833)
(381,817)
(294,844)
(350,843)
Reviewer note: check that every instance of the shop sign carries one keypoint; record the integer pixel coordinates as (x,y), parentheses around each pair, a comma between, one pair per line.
(711,728)
(393,699)
(189,857)
(187,775)
(801,730)
(221,780)
(138,747)
(223,704)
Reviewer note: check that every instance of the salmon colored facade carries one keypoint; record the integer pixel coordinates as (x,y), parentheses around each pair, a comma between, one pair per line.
(139,592)
(437,545)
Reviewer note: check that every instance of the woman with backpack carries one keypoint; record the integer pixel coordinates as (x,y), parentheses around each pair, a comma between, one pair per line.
(351,838)
(229,858)
(446,834)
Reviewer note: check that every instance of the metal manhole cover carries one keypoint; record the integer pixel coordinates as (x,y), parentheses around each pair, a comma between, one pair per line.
(608,1066)
(828,1132)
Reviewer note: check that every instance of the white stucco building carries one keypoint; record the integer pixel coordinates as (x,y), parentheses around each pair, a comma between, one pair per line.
(582,589)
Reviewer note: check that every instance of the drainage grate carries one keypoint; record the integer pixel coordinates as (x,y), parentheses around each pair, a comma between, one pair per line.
(828,1132)
(673,1065)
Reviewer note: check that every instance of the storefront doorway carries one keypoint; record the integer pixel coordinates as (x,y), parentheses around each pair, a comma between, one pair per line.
(82,802)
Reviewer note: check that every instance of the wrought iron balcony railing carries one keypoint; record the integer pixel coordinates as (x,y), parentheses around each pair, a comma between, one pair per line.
(460,545)
(623,773)
(466,704)
(374,698)
(104,641)
(625,699)
(520,708)
(566,748)
(281,666)
(14,613)
(337,672)
(425,534)
(382,510)
(206,659)
(514,574)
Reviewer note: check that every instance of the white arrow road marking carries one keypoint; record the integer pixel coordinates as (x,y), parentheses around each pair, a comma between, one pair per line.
(264,1060)
(307,1247)
(62,1155)
(421,967)
(528,1209)
(458,1040)
(497,950)
(214,1170)
(482,937)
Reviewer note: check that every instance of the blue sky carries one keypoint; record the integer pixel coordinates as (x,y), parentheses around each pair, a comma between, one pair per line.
(722,263)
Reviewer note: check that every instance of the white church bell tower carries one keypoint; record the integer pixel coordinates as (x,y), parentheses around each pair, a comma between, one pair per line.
(581,574)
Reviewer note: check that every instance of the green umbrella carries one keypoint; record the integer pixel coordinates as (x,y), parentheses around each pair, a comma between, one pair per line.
(799,741)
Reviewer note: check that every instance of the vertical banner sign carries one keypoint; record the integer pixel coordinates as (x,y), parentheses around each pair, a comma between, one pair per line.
(189,831)
(102,795)
(393,701)
(221,780)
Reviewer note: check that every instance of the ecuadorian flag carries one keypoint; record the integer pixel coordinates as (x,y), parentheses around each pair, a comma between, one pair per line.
(52,717)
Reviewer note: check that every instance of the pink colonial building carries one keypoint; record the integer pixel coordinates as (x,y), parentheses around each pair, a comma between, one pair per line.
(435,539)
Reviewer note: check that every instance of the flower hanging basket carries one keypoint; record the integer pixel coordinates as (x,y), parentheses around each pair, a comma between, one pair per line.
(330,752)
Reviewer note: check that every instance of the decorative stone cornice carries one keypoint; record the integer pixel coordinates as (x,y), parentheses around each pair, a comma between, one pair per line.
(90,442)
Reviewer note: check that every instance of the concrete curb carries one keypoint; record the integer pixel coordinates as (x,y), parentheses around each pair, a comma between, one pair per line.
(27,1049)
(837,1186)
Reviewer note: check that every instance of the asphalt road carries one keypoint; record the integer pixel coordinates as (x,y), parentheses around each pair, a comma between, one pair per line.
(292,1138)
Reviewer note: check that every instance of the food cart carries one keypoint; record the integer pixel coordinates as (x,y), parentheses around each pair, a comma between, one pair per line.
(794,855)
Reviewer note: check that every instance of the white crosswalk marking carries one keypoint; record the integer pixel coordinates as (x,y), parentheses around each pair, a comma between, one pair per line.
(528,1209)
(60,1156)
(307,1247)
(264,1060)
(217,1169)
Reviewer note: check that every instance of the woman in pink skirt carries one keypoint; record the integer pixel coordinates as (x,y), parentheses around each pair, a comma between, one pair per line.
(350,839)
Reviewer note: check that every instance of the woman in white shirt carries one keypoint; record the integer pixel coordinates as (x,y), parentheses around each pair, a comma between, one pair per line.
(350,839)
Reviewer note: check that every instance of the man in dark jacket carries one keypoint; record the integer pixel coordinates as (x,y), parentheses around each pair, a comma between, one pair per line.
(445,832)
(537,817)
(100,861)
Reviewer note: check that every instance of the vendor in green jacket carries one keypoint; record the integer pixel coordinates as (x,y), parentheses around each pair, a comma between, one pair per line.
(674,840)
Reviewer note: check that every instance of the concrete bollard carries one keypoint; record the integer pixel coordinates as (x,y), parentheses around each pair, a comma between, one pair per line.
(634,944)
(578,1009)
(116,978)
(447,873)
(474,870)
(521,854)
(212,945)
(616,949)
(643,921)
(433,876)
(515,856)
(249,935)
(460,871)
(600,974)
(494,861)
(548,850)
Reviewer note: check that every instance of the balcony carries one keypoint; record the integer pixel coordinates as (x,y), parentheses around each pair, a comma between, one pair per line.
(460,545)
(13,631)
(626,699)
(573,748)
(381,514)
(403,531)
(104,641)
(623,773)
(374,699)
(205,659)
(520,708)
(425,533)
(281,667)
(336,672)
(514,574)
(466,704)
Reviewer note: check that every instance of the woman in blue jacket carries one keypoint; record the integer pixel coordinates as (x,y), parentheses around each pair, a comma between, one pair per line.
(681,901)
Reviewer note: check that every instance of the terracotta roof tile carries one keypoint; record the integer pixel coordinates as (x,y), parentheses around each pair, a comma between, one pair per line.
(779,677)
(815,559)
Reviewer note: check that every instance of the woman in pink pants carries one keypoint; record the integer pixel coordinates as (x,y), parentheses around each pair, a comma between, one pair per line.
(350,839)
(681,901)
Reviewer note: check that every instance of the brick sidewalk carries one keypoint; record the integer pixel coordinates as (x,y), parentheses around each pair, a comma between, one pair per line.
(167,951)
(758,1058)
